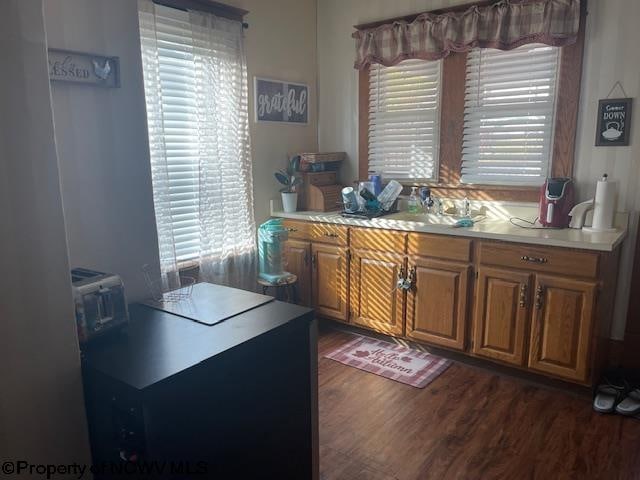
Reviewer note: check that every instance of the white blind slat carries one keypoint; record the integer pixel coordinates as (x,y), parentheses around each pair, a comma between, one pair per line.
(178,97)
(404,106)
(509,115)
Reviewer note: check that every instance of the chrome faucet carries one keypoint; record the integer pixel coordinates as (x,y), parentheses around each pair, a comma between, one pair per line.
(439,206)
(466,207)
(425,198)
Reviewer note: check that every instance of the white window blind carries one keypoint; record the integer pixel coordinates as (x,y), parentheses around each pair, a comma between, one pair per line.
(509,115)
(404,114)
(180,126)
(196,98)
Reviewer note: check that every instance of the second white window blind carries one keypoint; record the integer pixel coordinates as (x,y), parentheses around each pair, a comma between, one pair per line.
(404,113)
(509,115)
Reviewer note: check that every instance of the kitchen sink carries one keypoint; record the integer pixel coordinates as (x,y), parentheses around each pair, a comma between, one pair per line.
(430,218)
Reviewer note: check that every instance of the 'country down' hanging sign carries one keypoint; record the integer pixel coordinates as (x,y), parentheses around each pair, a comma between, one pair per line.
(614,122)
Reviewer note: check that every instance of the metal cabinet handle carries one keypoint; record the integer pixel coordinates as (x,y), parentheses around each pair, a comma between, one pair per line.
(539,293)
(405,282)
(313,261)
(291,229)
(330,235)
(523,295)
(412,277)
(527,258)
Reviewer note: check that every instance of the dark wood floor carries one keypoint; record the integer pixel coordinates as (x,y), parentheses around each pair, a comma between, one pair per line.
(470,423)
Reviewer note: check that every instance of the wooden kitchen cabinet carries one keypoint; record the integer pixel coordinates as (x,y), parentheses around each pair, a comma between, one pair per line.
(297,229)
(437,303)
(374,301)
(558,261)
(379,240)
(561,328)
(298,262)
(533,307)
(329,280)
(501,315)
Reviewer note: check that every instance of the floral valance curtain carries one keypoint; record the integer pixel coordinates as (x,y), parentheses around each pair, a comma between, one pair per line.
(503,25)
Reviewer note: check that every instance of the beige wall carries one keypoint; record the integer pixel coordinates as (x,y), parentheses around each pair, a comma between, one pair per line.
(281,44)
(611,54)
(41,409)
(102,144)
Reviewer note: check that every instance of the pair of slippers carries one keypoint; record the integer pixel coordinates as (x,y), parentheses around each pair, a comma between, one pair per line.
(617,395)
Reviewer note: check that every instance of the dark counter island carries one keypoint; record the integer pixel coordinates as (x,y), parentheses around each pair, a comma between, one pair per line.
(234,400)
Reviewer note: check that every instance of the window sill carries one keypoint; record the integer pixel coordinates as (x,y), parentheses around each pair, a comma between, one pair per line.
(479,192)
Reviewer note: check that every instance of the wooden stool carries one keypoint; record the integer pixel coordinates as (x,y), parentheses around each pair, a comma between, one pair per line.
(286,288)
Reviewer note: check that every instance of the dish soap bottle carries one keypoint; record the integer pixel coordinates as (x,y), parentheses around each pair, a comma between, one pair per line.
(413,205)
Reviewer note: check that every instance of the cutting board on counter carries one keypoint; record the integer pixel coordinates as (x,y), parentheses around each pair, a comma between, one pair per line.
(210,304)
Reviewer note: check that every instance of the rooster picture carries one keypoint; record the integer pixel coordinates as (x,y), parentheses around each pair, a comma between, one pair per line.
(102,72)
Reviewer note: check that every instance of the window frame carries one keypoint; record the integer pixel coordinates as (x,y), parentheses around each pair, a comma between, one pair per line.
(452,97)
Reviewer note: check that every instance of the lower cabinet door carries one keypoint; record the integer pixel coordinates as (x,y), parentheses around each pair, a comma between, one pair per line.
(501,315)
(329,281)
(437,303)
(375,302)
(298,262)
(561,327)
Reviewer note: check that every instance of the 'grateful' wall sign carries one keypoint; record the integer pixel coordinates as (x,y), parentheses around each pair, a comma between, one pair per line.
(614,122)
(84,68)
(277,101)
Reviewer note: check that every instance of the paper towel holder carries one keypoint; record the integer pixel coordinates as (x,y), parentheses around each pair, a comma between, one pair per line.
(593,229)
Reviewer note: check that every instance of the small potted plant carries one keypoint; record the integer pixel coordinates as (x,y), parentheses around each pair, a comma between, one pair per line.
(288,178)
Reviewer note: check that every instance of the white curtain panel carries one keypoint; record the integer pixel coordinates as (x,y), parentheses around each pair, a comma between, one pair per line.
(196,90)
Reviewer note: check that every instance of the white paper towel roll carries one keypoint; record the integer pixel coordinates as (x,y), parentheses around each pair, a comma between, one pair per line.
(604,206)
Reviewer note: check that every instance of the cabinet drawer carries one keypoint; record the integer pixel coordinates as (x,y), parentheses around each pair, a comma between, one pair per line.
(327,233)
(563,261)
(380,240)
(297,230)
(439,246)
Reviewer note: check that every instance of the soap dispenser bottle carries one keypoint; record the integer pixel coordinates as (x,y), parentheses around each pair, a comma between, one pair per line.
(413,205)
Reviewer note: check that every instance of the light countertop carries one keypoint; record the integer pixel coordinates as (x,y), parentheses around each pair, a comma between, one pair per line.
(488,228)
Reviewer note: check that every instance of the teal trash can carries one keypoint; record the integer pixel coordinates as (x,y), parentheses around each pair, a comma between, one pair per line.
(271,237)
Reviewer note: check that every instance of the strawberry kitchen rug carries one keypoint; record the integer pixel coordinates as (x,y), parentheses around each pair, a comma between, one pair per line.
(402,364)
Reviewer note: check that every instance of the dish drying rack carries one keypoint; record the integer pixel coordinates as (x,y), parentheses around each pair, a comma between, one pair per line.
(367,215)
(154,285)
(364,213)
(370,205)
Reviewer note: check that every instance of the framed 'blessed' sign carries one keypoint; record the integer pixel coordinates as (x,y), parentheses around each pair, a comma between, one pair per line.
(84,68)
(283,102)
(614,122)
